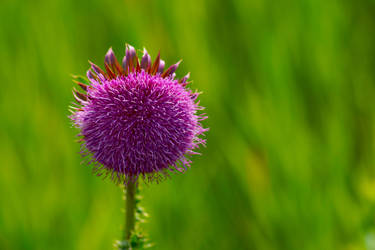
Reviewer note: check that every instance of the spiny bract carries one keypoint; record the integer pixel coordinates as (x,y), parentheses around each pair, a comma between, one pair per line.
(136,119)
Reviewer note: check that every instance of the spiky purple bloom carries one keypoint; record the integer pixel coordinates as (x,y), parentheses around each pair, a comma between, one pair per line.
(136,119)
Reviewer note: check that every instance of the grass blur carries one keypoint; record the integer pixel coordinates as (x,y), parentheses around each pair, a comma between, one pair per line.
(289,88)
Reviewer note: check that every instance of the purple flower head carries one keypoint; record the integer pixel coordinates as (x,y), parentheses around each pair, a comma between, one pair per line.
(136,119)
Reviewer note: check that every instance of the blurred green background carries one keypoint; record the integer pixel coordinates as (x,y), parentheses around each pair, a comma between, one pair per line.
(289,88)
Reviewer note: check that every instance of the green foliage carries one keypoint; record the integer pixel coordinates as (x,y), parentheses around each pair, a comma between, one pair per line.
(289,88)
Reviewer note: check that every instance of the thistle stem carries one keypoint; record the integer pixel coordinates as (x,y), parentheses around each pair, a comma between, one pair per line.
(130,209)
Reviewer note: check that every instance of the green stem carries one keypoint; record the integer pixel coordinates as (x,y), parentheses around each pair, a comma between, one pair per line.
(130,209)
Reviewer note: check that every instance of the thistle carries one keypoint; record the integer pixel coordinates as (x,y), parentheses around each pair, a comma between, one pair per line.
(136,119)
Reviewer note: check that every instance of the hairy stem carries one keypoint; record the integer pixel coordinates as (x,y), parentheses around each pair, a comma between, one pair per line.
(130,209)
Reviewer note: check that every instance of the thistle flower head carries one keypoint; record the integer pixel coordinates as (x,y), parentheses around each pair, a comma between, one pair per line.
(136,119)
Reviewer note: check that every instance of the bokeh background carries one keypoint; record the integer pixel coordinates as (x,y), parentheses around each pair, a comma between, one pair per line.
(289,88)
